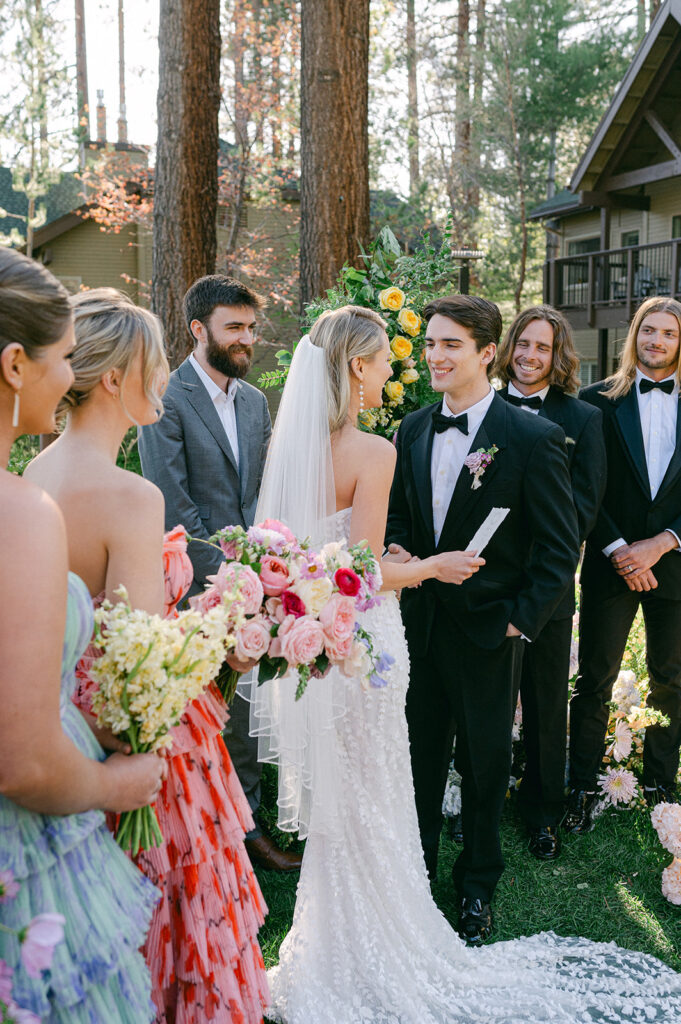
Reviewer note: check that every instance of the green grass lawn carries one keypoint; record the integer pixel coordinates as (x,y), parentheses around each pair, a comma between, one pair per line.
(604,886)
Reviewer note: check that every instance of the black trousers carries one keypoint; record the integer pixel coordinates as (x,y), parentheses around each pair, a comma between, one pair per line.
(544,696)
(604,625)
(461,686)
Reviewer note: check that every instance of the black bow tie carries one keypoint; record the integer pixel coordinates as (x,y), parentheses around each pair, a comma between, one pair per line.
(645,385)
(442,423)
(534,402)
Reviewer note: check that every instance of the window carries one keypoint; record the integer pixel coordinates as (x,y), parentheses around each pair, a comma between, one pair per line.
(629,238)
(588,372)
(584,245)
(676,226)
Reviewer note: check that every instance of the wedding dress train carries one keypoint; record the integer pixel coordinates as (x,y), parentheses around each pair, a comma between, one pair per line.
(369,946)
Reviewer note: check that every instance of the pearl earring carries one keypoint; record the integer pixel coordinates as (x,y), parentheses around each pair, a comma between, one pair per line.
(361,397)
(15,412)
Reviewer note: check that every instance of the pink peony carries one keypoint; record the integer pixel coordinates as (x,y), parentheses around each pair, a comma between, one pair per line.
(618,785)
(37,947)
(666,820)
(338,618)
(8,887)
(6,973)
(278,527)
(210,598)
(339,650)
(252,639)
(275,650)
(273,575)
(303,642)
(348,582)
(671,882)
(293,605)
(231,575)
(274,606)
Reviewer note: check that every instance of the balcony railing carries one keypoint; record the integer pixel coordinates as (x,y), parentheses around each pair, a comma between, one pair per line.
(602,289)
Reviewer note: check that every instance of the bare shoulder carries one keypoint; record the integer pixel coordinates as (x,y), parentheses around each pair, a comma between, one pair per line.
(135,493)
(376,450)
(33,522)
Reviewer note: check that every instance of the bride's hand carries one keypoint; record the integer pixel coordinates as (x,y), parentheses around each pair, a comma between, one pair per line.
(238,665)
(456,566)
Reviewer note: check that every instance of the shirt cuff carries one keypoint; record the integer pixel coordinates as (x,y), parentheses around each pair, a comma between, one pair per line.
(674,534)
(615,545)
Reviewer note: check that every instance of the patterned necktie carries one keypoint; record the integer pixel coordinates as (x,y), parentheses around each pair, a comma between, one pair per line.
(533,402)
(645,385)
(442,423)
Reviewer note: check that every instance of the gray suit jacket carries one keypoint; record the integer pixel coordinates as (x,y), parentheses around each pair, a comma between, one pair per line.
(187,454)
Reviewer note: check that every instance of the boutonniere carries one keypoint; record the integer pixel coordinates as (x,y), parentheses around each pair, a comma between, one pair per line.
(570,440)
(478,462)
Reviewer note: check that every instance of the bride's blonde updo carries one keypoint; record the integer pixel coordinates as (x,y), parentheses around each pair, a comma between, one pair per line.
(345,334)
(110,331)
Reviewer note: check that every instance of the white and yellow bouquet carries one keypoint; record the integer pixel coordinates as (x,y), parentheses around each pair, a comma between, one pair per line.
(149,670)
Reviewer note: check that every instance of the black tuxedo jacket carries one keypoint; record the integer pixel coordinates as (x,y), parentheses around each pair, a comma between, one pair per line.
(583,428)
(532,556)
(628,510)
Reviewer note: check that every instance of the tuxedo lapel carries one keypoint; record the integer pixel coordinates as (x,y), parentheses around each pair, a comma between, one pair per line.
(420,454)
(553,408)
(629,425)
(245,431)
(674,467)
(465,498)
(200,401)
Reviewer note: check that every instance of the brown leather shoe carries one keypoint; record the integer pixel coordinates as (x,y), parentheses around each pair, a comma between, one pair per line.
(266,854)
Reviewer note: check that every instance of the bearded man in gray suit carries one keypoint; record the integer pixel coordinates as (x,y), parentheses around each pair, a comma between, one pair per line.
(207,455)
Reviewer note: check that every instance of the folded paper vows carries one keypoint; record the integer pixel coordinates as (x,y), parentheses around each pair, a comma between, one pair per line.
(484,533)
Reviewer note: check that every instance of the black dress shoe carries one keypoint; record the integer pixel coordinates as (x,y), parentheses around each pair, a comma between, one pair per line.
(544,842)
(475,921)
(455,828)
(578,818)
(661,795)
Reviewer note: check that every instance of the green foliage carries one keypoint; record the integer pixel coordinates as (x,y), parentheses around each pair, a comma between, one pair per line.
(397,286)
(23,450)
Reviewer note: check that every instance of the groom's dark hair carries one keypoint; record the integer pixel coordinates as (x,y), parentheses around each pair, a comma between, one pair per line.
(217,290)
(479,316)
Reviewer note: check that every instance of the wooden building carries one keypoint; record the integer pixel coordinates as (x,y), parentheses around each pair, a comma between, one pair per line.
(615,233)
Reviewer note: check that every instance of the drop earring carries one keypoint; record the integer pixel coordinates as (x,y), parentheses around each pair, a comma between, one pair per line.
(361,397)
(15,411)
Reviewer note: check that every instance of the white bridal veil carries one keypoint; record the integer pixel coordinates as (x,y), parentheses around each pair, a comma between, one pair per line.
(298,489)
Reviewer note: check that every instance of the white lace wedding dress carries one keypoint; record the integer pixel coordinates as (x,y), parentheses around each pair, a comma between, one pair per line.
(369,946)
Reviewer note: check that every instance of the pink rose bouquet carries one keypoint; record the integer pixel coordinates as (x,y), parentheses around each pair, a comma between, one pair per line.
(292,608)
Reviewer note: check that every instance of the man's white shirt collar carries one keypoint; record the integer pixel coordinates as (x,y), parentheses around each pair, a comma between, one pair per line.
(644,376)
(214,390)
(476,413)
(512,390)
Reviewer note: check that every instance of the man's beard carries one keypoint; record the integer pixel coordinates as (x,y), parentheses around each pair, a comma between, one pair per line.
(223,359)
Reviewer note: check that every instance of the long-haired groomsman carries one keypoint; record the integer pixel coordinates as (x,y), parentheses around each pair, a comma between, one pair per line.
(633,559)
(538,365)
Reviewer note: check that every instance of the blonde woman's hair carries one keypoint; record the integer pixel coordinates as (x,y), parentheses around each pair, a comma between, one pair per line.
(621,381)
(565,362)
(345,334)
(110,331)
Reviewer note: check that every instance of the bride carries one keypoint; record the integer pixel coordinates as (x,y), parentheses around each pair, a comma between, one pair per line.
(368,945)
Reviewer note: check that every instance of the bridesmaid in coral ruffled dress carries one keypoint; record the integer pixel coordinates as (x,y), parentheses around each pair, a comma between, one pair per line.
(202,948)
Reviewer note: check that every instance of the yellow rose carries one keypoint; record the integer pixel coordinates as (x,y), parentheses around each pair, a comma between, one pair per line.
(409,321)
(391,298)
(395,391)
(368,418)
(409,376)
(401,346)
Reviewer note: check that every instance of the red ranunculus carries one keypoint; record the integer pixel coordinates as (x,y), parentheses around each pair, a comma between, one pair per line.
(293,605)
(348,582)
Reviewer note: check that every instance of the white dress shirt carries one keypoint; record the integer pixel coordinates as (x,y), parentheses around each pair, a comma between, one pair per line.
(450,448)
(224,405)
(657,412)
(512,390)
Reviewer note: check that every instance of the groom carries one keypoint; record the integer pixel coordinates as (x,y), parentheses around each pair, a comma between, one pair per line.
(465,642)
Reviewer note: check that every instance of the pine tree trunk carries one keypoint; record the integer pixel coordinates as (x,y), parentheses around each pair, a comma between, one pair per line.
(185,197)
(334,195)
(412,101)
